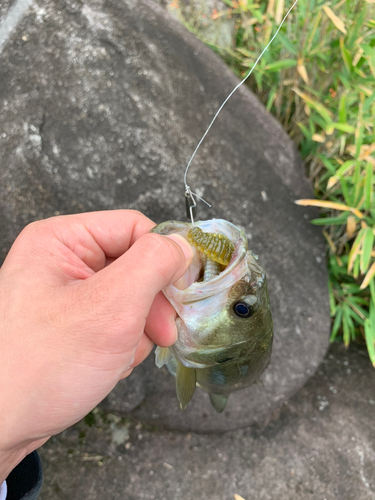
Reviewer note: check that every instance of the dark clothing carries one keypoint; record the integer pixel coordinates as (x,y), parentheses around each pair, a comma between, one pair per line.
(25,481)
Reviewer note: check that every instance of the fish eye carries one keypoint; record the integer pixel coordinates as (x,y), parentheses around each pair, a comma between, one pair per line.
(243,310)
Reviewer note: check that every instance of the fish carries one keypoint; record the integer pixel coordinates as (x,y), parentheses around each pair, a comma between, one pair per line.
(224,319)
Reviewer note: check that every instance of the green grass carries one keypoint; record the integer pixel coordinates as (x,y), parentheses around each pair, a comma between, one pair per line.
(318,80)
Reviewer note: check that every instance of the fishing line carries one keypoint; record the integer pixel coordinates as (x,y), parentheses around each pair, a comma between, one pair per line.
(190,196)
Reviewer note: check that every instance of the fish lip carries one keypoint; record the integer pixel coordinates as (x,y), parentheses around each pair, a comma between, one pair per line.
(206,289)
(232,273)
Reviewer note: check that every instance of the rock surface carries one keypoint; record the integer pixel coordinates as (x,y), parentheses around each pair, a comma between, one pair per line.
(102,104)
(206,18)
(321,445)
(5,7)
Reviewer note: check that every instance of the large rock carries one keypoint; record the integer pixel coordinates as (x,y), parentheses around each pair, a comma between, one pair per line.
(205,18)
(321,445)
(102,103)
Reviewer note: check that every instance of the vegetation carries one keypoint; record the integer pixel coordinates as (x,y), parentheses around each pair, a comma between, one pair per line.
(318,79)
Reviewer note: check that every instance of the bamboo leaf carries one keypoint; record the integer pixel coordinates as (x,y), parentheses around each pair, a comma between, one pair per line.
(304,130)
(344,127)
(330,204)
(347,324)
(346,192)
(292,48)
(355,272)
(368,186)
(332,181)
(278,65)
(328,164)
(369,277)
(301,68)
(330,221)
(346,167)
(372,291)
(346,57)
(366,249)
(354,252)
(335,19)
(332,300)
(336,324)
(370,339)
(342,109)
(351,226)
(319,108)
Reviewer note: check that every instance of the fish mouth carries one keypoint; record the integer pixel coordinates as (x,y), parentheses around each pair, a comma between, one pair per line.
(190,288)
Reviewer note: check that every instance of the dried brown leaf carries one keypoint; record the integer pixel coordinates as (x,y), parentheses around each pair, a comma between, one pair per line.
(335,19)
(301,68)
(351,225)
(369,276)
(318,138)
(330,204)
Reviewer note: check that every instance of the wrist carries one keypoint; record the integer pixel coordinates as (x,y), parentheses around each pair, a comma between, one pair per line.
(10,458)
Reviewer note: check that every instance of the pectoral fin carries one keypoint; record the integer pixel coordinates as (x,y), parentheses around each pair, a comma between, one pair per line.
(218,401)
(162,356)
(186,379)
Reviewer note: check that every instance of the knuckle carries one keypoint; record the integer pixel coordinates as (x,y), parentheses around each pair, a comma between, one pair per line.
(163,252)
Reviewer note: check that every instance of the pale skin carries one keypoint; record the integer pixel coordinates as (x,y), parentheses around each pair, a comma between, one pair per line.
(80,306)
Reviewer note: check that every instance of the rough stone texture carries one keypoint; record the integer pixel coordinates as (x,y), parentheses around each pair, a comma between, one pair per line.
(199,16)
(101,108)
(320,446)
(5,6)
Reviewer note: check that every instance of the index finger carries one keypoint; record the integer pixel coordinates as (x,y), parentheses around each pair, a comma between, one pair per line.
(96,238)
(114,231)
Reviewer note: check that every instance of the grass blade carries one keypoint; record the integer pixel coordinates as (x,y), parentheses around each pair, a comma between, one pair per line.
(317,106)
(329,204)
(370,340)
(330,221)
(278,65)
(368,186)
(336,324)
(372,290)
(342,109)
(354,252)
(368,240)
(369,279)
(370,333)
(347,324)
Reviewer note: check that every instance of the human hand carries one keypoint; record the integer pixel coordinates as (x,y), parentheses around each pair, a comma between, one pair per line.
(80,306)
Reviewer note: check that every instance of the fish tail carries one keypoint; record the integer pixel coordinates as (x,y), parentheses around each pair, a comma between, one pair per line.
(186,379)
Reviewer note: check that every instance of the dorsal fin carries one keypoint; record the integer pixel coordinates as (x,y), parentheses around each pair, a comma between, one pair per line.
(186,379)
(218,401)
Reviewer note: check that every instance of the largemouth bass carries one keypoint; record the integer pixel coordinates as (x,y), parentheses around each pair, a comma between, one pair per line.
(224,320)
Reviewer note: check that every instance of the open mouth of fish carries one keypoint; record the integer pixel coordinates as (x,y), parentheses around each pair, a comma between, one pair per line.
(224,321)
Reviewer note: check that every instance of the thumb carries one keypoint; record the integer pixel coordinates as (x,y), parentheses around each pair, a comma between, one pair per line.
(131,282)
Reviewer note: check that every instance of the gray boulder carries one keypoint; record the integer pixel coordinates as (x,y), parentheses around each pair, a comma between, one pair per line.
(320,445)
(102,104)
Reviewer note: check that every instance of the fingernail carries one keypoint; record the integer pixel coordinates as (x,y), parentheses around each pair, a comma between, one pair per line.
(183,244)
